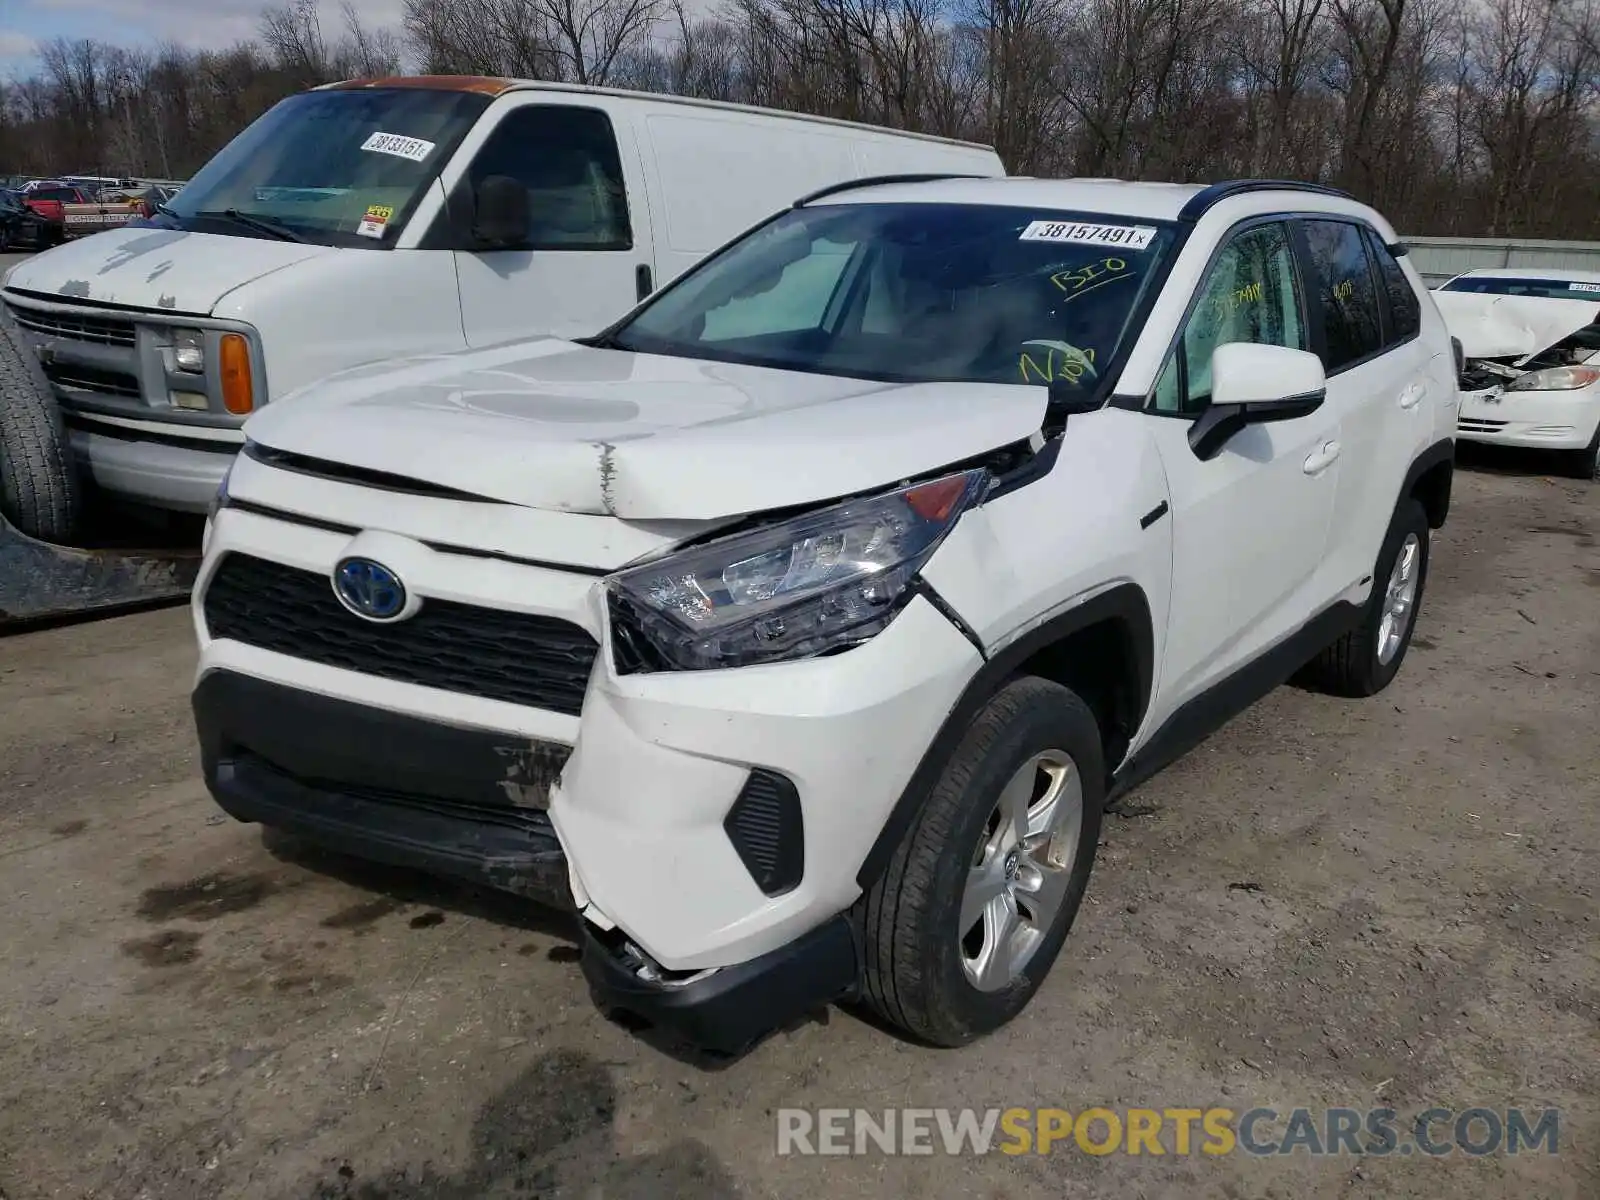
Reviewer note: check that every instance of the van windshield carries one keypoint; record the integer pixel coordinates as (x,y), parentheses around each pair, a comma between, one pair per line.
(914,292)
(339,168)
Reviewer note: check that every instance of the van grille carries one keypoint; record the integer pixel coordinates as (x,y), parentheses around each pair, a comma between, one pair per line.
(104,331)
(535,661)
(76,378)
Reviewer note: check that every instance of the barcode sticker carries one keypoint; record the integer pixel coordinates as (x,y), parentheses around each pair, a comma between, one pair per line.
(1080,233)
(1584,287)
(401,147)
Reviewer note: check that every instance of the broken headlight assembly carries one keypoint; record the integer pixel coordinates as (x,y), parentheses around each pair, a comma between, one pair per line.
(818,583)
(1554,379)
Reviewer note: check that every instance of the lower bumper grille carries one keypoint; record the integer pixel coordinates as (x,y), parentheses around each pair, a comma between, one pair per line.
(534,661)
(1474,425)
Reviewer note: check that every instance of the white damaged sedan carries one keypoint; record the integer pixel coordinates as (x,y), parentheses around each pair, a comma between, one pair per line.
(1531,376)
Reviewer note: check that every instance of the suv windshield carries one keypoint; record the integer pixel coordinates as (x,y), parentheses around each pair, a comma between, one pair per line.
(342,168)
(1545,289)
(914,292)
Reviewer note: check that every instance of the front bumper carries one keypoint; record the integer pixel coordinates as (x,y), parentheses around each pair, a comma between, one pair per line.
(1538,420)
(646,809)
(157,471)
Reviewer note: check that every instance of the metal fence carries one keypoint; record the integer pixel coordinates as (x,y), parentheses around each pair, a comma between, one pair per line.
(1440,258)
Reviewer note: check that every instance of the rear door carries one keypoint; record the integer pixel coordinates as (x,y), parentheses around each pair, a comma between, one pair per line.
(1366,321)
(589,251)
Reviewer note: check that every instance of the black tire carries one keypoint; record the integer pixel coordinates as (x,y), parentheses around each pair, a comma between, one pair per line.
(1585,464)
(38,481)
(1351,666)
(912,972)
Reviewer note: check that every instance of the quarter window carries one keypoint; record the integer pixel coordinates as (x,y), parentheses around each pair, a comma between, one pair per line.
(568,159)
(1346,297)
(1249,295)
(1405,310)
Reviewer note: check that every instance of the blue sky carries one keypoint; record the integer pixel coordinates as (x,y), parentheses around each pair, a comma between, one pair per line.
(25,23)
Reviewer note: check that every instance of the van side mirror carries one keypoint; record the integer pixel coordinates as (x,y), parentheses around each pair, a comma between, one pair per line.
(1253,384)
(500,214)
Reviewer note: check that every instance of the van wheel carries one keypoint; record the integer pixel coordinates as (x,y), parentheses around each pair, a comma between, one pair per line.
(980,894)
(1365,661)
(38,482)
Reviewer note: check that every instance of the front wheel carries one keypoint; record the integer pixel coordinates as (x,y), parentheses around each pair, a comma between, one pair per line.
(1365,661)
(980,894)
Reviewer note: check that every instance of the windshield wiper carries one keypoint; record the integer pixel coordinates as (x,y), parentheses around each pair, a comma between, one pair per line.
(260,224)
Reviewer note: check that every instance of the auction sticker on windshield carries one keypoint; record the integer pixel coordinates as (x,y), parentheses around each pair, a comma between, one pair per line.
(1132,237)
(376,221)
(1584,287)
(401,147)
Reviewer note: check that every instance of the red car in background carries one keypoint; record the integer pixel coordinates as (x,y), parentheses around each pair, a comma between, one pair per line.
(48,200)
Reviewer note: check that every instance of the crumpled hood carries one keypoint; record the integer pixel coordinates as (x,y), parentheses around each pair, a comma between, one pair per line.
(553,425)
(155,268)
(1512,326)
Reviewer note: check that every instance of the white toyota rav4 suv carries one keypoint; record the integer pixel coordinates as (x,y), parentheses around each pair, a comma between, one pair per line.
(797,630)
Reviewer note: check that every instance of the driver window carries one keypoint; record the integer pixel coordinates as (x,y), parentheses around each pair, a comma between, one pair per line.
(1250,295)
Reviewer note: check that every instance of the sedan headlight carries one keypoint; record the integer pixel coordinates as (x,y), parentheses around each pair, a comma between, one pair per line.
(1556,379)
(828,580)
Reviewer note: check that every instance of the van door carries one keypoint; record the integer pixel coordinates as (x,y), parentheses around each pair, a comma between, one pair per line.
(588,258)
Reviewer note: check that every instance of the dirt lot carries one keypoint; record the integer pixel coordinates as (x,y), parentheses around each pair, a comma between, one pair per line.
(1332,903)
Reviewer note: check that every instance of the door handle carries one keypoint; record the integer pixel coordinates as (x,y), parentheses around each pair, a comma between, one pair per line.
(1412,395)
(1320,460)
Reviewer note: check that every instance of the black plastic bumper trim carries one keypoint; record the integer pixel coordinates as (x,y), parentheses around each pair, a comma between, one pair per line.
(730,1010)
(396,789)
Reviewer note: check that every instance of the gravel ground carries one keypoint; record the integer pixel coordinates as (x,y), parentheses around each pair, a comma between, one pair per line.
(1389,902)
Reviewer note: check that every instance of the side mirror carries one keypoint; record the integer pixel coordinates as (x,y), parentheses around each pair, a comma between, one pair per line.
(1253,384)
(500,213)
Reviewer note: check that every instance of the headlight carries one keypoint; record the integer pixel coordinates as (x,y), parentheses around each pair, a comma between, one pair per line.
(1556,379)
(189,350)
(825,581)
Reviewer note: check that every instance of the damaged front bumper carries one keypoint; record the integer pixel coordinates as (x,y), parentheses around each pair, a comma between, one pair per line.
(1564,420)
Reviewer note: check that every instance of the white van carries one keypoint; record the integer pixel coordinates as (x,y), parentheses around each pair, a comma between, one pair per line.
(369,219)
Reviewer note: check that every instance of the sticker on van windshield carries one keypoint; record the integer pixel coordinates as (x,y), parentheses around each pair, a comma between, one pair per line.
(1584,287)
(1130,237)
(376,221)
(401,147)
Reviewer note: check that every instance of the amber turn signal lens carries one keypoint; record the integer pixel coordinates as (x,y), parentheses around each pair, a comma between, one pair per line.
(238,389)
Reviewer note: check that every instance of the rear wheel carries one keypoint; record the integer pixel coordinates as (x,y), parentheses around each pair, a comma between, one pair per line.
(983,889)
(38,483)
(1365,661)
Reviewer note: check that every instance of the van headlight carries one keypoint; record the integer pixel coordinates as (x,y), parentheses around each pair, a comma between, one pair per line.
(189,350)
(822,582)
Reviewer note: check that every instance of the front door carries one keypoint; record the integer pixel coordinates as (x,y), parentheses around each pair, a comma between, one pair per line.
(589,243)
(1250,524)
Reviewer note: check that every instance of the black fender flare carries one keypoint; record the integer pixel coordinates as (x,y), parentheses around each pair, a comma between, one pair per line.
(1123,602)
(1442,451)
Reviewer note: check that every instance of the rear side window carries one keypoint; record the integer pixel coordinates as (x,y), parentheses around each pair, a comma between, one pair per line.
(1344,294)
(567,158)
(1405,310)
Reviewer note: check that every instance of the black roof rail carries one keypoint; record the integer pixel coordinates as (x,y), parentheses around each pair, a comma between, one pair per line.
(875,180)
(1202,201)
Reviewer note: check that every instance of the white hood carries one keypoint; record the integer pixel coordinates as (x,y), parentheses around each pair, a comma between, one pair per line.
(1512,326)
(155,268)
(552,425)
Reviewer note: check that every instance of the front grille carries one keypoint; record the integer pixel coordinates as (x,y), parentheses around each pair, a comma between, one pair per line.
(103,331)
(538,662)
(78,378)
(1474,425)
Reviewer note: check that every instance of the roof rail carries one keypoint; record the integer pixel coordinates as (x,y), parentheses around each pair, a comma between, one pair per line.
(1203,200)
(875,180)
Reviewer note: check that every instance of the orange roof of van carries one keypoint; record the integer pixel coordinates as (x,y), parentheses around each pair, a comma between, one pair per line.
(484,85)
